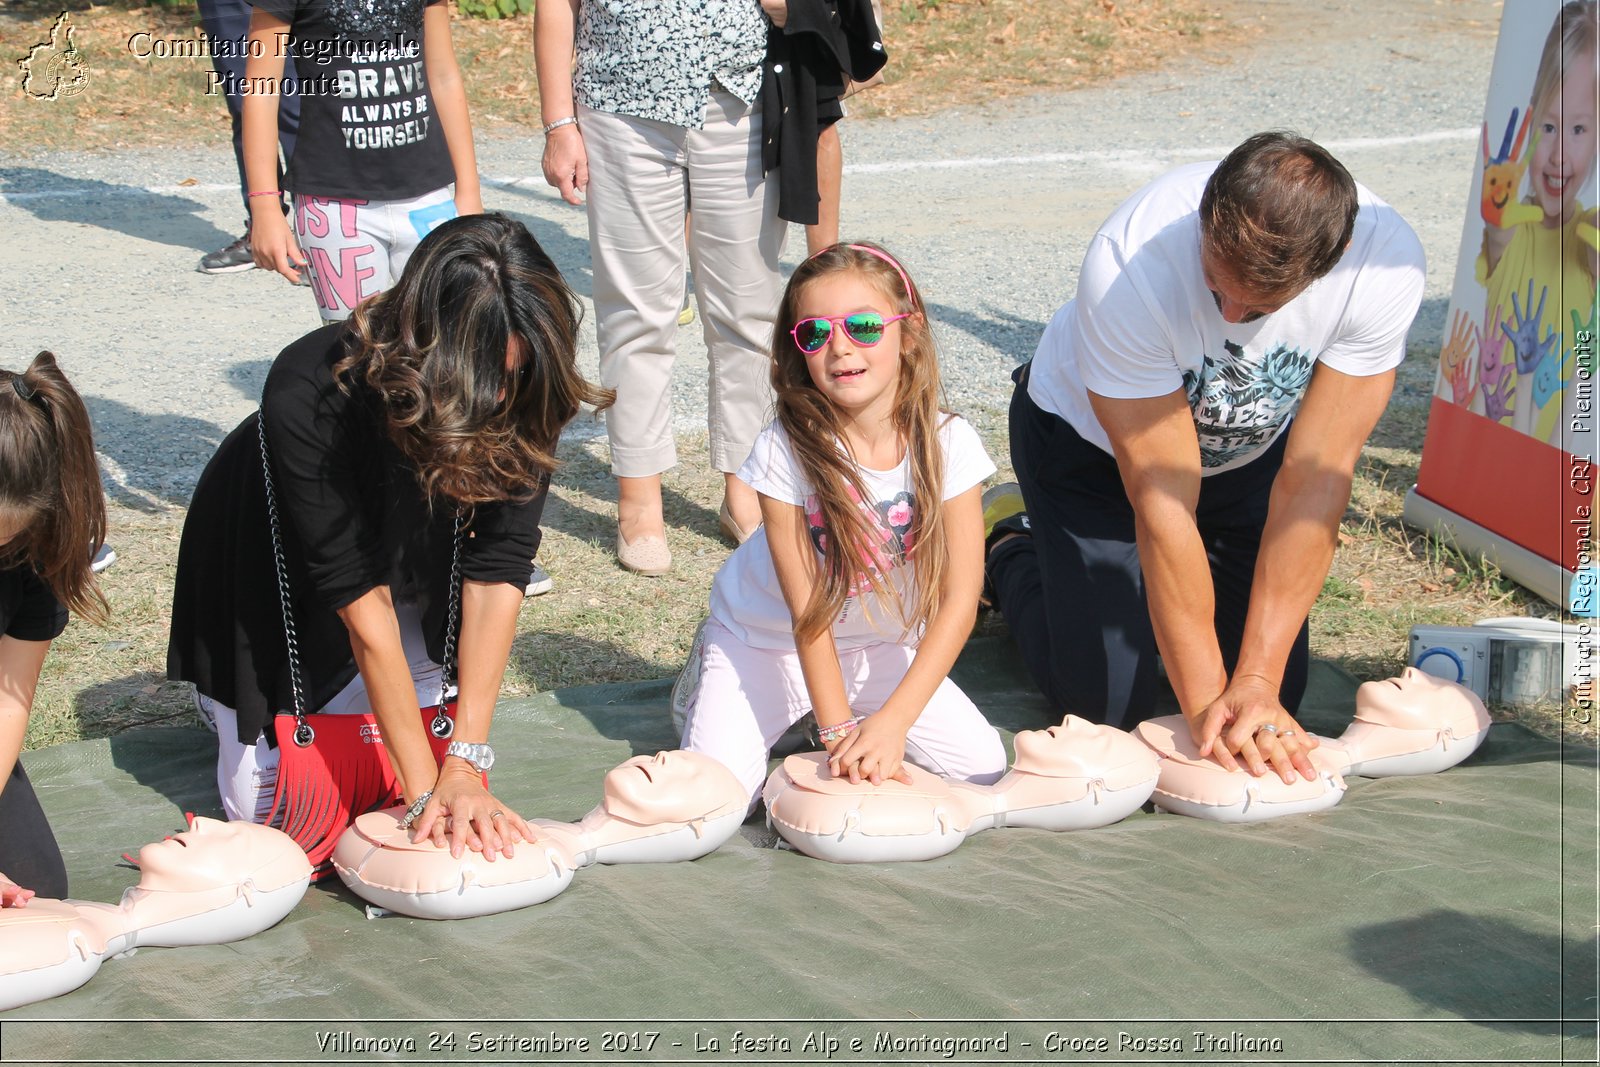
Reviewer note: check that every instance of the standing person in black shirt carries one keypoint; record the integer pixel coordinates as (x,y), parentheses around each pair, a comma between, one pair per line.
(51,505)
(384,135)
(441,397)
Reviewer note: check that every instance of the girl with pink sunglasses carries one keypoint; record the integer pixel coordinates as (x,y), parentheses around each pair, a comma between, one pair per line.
(855,596)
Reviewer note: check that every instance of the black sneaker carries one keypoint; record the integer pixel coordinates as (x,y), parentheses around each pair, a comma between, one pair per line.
(230,260)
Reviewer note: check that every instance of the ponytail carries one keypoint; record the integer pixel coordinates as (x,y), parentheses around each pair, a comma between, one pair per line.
(50,484)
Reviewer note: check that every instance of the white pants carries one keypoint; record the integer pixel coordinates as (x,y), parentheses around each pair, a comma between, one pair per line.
(643,176)
(247,775)
(356,248)
(747,698)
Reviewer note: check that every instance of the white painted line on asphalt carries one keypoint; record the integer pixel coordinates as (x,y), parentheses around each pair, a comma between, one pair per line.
(1128,157)
(1121,158)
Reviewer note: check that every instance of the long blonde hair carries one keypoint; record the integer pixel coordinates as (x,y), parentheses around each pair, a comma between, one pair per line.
(1573,33)
(816,434)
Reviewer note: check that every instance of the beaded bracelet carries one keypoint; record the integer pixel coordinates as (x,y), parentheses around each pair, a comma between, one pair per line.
(829,734)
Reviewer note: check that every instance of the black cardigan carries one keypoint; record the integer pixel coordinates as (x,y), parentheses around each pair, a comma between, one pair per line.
(354,517)
(822,43)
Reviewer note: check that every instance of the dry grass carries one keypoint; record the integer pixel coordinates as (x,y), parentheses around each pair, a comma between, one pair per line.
(943,52)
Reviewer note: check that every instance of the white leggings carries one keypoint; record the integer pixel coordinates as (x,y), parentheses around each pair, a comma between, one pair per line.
(359,247)
(747,697)
(247,775)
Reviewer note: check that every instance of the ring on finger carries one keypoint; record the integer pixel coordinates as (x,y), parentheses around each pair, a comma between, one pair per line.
(496,814)
(1266,728)
(1286,735)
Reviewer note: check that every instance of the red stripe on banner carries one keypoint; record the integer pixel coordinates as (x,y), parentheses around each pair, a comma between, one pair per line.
(1501,479)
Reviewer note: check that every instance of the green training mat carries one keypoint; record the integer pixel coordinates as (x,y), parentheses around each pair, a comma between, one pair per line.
(1449,918)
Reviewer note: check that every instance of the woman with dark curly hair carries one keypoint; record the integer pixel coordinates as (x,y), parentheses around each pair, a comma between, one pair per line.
(409,453)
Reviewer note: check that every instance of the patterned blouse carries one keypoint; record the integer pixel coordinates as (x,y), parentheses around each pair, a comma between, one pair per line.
(658,59)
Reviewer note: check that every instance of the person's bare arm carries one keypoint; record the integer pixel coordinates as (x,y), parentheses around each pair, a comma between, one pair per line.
(20,663)
(450,105)
(566,162)
(1158,456)
(794,561)
(477,819)
(272,242)
(1309,496)
(875,749)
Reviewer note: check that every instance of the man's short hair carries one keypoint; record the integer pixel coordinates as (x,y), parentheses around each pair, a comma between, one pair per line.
(1279,210)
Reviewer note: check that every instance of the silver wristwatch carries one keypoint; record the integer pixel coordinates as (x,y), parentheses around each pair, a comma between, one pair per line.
(480,756)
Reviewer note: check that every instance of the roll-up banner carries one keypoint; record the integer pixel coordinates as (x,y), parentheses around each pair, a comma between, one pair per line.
(1508,463)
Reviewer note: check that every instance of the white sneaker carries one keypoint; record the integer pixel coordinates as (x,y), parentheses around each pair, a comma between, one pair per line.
(104,558)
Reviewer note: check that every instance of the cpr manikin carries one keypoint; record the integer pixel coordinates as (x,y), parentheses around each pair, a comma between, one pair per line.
(656,809)
(213,883)
(1074,776)
(1413,724)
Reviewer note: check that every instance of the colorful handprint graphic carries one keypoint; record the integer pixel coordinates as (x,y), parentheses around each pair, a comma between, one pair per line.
(1456,364)
(1523,332)
(1502,175)
(1496,380)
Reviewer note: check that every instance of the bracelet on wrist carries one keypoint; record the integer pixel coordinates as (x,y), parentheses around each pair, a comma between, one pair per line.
(265,192)
(415,810)
(570,120)
(829,734)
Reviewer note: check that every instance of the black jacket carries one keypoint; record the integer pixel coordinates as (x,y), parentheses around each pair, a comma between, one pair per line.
(823,43)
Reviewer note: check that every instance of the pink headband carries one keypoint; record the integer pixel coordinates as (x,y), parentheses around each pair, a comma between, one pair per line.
(911,293)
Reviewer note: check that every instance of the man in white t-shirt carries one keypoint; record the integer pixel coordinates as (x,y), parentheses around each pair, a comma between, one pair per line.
(1186,437)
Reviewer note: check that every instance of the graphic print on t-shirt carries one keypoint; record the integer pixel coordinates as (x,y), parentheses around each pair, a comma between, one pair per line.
(888,520)
(384,92)
(1241,402)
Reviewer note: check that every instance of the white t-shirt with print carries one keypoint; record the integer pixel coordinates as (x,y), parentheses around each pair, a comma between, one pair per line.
(1144,323)
(746,597)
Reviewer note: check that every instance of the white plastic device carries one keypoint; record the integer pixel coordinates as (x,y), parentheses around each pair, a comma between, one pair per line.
(1507,660)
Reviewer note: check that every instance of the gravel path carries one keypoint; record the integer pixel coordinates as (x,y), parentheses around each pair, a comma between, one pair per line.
(990,206)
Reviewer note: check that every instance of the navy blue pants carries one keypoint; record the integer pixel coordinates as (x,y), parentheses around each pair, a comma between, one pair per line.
(228,21)
(29,855)
(1073,594)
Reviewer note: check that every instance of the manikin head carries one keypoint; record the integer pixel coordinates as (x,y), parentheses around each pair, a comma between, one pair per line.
(671,787)
(213,855)
(1076,748)
(1416,700)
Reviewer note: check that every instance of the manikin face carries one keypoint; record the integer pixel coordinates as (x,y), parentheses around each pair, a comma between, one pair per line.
(212,854)
(860,380)
(1563,159)
(1415,697)
(672,786)
(1071,749)
(1043,751)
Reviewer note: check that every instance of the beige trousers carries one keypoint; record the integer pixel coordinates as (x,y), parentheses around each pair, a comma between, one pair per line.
(643,176)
